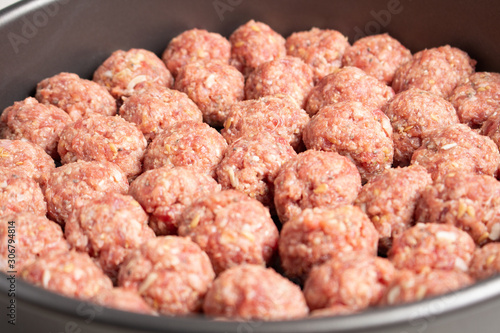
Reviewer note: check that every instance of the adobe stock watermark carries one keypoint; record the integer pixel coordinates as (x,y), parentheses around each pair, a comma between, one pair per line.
(86,311)
(381,19)
(223,6)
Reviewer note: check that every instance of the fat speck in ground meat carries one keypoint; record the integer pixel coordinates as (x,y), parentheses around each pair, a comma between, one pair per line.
(491,127)
(165,192)
(20,193)
(486,261)
(124,300)
(231,228)
(252,292)
(171,273)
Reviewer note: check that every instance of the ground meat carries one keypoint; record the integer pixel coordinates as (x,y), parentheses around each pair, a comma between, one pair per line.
(77,96)
(315,179)
(108,228)
(70,273)
(438,70)
(468,201)
(251,292)
(315,235)
(164,193)
(378,55)
(283,76)
(171,273)
(104,138)
(457,148)
(72,185)
(20,193)
(335,310)
(32,121)
(124,300)
(34,236)
(231,228)
(353,281)
(186,143)
(362,134)
(156,108)
(251,165)
(485,262)
(491,128)
(193,45)
(348,84)
(253,44)
(322,49)
(477,98)
(123,70)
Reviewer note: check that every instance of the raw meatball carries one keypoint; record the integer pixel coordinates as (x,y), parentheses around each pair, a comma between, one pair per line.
(378,55)
(457,148)
(251,165)
(187,143)
(34,236)
(193,45)
(348,84)
(124,300)
(77,96)
(315,179)
(251,292)
(123,70)
(315,235)
(413,114)
(253,44)
(322,49)
(438,70)
(485,262)
(231,228)
(104,138)
(213,85)
(108,228)
(70,273)
(491,128)
(171,273)
(32,121)
(72,185)
(164,193)
(283,76)
(20,193)
(468,201)
(361,133)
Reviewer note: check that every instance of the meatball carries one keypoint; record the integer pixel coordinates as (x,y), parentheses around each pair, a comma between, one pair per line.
(20,193)
(457,148)
(252,292)
(251,165)
(70,273)
(32,121)
(193,45)
(283,76)
(164,193)
(485,262)
(171,273)
(108,228)
(438,70)
(468,201)
(72,185)
(231,228)
(213,85)
(322,49)
(77,96)
(491,128)
(315,235)
(34,236)
(367,142)
(187,143)
(253,44)
(348,84)
(124,300)
(378,55)
(104,138)
(123,70)
(315,179)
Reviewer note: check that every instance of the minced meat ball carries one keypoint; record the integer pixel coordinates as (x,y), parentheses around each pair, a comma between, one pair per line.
(486,261)
(20,193)
(122,299)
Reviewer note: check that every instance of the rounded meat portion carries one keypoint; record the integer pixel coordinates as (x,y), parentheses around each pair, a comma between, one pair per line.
(124,300)
(437,70)
(20,193)
(486,261)
(231,228)
(172,274)
(491,128)
(252,292)
(367,142)
(35,122)
(77,96)
(348,84)
(164,193)
(378,55)
(104,138)
(315,179)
